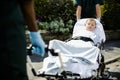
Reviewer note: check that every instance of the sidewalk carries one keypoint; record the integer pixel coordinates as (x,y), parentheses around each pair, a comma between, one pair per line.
(111,52)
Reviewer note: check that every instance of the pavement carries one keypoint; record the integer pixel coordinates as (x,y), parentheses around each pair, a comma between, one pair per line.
(111,52)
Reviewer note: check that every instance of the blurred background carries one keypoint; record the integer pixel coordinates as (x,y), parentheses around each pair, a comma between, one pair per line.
(56,18)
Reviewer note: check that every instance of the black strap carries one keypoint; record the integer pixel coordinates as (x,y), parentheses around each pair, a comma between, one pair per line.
(82,38)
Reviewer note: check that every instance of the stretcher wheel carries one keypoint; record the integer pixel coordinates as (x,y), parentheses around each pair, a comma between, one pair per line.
(106,74)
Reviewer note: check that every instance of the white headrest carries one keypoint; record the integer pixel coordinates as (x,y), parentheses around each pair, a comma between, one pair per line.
(99,28)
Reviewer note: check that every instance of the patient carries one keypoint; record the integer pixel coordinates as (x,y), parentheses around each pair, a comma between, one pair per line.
(87,33)
(90,24)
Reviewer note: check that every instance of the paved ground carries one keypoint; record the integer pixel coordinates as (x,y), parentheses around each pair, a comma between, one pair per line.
(111,53)
(112,59)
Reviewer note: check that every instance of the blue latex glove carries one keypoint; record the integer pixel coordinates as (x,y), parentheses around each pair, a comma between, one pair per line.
(37,43)
(98,19)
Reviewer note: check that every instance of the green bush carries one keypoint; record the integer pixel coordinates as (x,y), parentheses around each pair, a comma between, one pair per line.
(111,15)
(49,10)
(57,26)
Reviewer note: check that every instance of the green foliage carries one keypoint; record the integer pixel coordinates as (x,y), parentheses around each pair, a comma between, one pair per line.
(111,15)
(51,10)
(57,26)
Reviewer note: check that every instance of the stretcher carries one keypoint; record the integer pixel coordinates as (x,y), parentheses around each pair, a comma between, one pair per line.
(66,62)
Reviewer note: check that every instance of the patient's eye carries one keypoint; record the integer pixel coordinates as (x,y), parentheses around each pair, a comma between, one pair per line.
(88,23)
(92,24)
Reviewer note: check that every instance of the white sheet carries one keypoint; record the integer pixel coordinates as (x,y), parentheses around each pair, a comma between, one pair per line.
(80,58)
(76,48)
(80,65)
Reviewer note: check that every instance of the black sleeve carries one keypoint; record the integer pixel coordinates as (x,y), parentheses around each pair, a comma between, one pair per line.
(99,2)
(77,2)
(23,0)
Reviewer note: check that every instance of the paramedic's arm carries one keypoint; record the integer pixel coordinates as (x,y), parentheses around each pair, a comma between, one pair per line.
(78,12)
(27,7)
(98,11)
(29,14)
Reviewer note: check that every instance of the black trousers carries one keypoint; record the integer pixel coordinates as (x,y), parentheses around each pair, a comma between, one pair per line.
(13,52)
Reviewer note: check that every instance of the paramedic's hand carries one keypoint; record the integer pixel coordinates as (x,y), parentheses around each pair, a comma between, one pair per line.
(98,19)
(78,20)
(37,43)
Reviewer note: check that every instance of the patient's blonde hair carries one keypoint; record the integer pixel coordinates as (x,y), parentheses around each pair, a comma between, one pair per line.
(91,19)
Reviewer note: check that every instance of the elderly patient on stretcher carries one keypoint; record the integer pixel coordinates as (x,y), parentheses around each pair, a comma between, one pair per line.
(79,53)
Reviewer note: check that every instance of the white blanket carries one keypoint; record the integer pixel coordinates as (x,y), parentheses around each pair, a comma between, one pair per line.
(80,58)
(81,66)
(76,48)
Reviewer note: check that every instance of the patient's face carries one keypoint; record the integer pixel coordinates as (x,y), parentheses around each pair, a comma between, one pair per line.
(90,25)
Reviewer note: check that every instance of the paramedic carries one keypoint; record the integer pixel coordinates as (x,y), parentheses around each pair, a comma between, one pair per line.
(14,15)
(88,9)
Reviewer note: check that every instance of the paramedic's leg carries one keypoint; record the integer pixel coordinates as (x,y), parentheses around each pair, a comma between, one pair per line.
(101,65)
(13,54)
